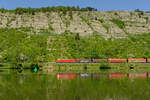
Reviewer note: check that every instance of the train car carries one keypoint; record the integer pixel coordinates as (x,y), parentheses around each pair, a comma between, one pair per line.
(84,60)
(65,61)
(117,60)
(148,60)
(99,60)
(137,75)
(117,75)
(139,60)
(66,76)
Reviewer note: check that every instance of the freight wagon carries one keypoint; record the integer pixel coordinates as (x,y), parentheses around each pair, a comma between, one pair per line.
(139,60)
(117,60)
(84,61)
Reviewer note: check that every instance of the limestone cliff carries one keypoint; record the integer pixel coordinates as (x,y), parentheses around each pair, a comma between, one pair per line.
(113,23)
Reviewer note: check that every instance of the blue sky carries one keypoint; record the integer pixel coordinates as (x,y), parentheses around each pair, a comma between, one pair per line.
(103,5)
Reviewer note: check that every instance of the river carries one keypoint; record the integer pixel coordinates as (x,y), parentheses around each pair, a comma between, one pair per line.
(29,85)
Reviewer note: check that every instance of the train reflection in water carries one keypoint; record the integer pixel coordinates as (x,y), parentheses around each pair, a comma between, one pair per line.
(99,75)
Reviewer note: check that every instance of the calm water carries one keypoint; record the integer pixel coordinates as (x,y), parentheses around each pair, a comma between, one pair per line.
(27,85)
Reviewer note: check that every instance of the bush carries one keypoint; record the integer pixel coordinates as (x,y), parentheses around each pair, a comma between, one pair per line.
(107,27)
(119,23)
(77,36)
(101,20)
(86,21)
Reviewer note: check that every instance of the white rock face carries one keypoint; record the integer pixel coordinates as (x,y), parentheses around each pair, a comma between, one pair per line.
(84,23)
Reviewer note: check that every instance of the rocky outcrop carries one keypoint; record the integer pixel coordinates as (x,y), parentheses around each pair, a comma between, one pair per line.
(84,23)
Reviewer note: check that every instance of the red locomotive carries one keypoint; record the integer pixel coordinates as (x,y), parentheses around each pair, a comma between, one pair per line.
(65,60)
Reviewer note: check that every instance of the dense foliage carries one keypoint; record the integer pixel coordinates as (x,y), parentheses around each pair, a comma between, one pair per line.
(97,47)
(16,46)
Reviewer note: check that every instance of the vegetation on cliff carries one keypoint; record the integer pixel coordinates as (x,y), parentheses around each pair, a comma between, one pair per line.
(32,11)
(20,47)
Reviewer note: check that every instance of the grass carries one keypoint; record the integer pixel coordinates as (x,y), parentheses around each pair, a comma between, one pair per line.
(114,67)
(90,68)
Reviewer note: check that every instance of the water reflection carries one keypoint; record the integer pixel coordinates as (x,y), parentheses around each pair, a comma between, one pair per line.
(65,76)
(103,75)
(117,75)
(27,84)
(84,86)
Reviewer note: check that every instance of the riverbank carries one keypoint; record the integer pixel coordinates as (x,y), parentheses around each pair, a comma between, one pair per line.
(84,67)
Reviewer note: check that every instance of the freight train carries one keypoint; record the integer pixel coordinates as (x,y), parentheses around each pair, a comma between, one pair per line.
(110,60)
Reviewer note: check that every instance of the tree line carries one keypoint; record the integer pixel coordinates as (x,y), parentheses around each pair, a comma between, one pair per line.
(21,10)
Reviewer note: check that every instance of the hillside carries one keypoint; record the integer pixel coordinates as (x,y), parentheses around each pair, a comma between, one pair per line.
(111,23)
(46,34)
(20,47)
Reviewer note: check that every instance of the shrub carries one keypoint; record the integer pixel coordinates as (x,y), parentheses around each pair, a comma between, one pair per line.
(86,21)
(107,27)
(101,20)
(77,36)
(119,23)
